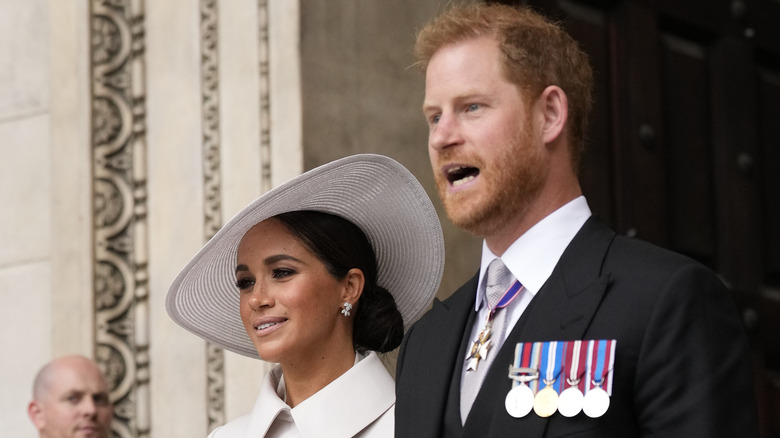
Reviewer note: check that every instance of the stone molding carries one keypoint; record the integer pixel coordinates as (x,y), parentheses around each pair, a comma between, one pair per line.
(265,100)
(119,189)
(120,263)
(212,210)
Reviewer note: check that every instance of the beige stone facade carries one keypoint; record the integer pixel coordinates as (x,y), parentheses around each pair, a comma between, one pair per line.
(131,130)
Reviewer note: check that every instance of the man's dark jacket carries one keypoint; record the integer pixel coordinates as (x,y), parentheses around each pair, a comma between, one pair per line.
(681,364)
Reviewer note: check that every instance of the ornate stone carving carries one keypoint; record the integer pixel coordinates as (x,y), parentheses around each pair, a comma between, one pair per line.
(119,210)
(265,101)
(212,211)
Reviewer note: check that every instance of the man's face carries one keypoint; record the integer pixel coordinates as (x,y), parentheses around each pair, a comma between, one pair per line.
(75,404)
(487,154)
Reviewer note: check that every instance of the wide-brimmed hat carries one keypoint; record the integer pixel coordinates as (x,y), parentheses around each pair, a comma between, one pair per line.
(374,192)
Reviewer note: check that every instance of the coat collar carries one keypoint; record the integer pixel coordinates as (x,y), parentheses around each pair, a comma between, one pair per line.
(341,409)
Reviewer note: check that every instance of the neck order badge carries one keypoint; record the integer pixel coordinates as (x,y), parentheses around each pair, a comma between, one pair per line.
(481,346)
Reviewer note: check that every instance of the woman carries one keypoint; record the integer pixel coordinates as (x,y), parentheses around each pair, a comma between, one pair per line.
(318,275)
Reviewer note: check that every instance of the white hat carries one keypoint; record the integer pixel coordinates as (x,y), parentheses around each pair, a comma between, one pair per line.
(374,192)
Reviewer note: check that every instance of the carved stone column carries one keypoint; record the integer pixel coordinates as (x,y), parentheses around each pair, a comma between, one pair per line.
(119,214)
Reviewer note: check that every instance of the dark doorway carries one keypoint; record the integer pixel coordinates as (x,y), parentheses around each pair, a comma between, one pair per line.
(684,144)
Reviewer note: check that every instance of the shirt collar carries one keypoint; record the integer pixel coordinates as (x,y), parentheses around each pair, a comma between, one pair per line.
(532,257)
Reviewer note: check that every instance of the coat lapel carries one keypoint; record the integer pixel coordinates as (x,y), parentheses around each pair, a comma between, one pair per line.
(562,310)
(427,380)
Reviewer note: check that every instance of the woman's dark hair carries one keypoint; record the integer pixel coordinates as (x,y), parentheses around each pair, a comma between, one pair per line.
(341,245)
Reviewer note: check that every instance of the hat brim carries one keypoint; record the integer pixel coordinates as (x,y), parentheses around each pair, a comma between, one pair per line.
(374,192)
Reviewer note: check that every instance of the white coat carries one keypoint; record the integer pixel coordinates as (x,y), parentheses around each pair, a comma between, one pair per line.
(359,403)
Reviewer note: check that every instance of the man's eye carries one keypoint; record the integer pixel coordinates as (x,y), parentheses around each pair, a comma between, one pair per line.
(73,398)
(435,119)
(245,283)
(472,107)
(282,272)
(101,399)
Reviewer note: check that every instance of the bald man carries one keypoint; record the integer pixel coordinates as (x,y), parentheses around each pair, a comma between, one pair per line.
(70,400)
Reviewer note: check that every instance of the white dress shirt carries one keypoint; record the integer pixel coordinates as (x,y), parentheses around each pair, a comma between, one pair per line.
(531,259)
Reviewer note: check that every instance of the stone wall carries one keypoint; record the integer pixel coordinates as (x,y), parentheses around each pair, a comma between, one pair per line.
(361,93)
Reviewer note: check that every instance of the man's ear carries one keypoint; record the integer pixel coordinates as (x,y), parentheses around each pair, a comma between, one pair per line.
(555,107)
(353,286)
(35,412)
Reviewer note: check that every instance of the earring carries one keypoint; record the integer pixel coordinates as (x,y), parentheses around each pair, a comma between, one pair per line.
(346,309)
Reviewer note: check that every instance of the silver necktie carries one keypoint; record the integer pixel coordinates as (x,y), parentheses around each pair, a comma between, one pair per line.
(499,280)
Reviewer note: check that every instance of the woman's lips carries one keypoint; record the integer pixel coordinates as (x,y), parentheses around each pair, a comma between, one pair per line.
(267,326)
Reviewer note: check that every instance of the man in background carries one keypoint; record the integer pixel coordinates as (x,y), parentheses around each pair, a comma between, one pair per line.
(70,400)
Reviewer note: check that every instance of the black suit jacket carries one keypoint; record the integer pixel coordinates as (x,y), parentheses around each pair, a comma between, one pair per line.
(681,360)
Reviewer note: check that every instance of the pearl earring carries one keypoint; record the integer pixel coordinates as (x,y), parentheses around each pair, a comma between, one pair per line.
(346,309)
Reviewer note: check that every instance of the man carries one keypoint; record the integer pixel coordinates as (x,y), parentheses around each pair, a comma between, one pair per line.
(646,342)
(70,400)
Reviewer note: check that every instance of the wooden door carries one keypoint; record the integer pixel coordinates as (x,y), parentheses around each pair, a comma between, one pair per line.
(684,146)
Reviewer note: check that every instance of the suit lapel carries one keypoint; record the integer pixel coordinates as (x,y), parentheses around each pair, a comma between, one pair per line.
(444,328)
(561,310)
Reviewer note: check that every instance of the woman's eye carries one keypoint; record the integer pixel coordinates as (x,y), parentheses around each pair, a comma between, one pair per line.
(282,272)
(244,283)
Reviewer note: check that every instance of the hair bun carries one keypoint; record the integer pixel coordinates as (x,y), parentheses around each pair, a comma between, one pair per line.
(379,325)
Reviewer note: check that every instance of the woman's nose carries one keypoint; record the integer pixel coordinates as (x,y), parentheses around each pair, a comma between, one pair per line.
(259,298)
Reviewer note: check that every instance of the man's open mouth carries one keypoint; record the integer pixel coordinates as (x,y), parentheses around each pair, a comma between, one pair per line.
(461,175)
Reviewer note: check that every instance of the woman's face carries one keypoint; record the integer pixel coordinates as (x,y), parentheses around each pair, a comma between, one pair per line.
(290,303)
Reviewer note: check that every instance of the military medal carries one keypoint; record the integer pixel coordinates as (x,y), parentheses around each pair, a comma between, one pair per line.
(595,402)
(520,399)
(546,400)
(570,400)
(564,376)
(601,360)
(481,346)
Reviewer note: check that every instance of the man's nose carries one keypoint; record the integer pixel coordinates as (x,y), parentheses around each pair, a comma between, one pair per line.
(445,133)
(89,406)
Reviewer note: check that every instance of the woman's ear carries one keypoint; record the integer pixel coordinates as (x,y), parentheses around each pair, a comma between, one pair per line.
(354,282)
(555,107)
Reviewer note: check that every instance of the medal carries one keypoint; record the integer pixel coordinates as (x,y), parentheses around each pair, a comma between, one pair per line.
(570,401)
(546,402)
(601,359)
(519,401)
(481,346)
(595,403)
